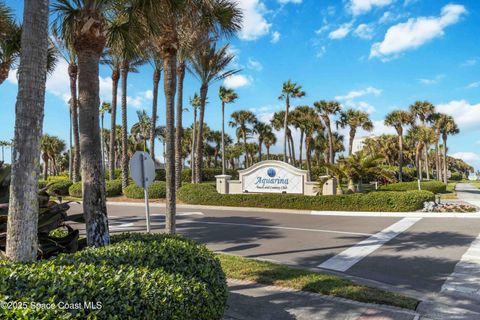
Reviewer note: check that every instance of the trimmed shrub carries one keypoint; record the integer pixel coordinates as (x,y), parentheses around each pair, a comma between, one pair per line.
(157,190)
(56,178)
(432,186)
(138,276)
(75,190)
(113,188)
(206,194)
(456,176)
(208,174)
(59,187)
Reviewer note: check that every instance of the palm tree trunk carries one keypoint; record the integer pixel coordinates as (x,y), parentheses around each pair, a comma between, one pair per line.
(170,83)
(45,167)
(331,156)
(153,124)
(23,208)
(445,172)
(437,161)
(93,178)
(268,152)
(223,138)
(73,75)
(260,144)
(70,151)
(350,141)
(301,148)
(113,123)
(293,148)
(285,128)
(427,163)
(124,76)
(308,156)
(194,145)
(400,158)
(102,146)
(244,134)
(179,131)
(199,142)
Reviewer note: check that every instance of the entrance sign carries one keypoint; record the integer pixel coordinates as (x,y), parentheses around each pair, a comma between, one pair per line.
(142,171)
(273,176)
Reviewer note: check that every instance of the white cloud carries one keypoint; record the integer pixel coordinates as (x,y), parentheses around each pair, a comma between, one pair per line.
(364,31)
(321,51)
(470,62)
(254,64)
(341,32)
(466,156)
(289,1)
(322,29)
(275,37)
(359,93)
(466,115)
(237,81)
(432,81)
(474,85)
(416,32)
(254,23)
(358,7)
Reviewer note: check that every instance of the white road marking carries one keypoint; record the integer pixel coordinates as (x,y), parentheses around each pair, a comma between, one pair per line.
(273,227)
(181,214)
(465,278)
(346,259)
(122,226)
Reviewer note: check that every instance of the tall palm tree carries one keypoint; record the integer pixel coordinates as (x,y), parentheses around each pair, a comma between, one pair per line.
(195,103)
(262,130)
(104,107)
(226,96)
(83,23)
(156,63)
(277,123)
(6,18)
(436,120)
(354,119)
(311,124)
(269,140)
(422,136)
(241,120)
(209,65)
(23,208)
(327,109)
(290,90)
(423,110)
(299,115)
(449,127)
(9,46)
(398,119)
(141,130)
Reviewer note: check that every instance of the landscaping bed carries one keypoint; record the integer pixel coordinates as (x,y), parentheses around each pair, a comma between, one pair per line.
(138,276)
(205,194)
(283,276)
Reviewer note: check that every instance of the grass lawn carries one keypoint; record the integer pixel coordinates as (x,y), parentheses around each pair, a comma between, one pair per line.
(283,276)
(476,183)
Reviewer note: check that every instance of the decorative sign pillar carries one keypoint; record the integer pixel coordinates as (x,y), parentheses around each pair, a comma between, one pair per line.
(269,176)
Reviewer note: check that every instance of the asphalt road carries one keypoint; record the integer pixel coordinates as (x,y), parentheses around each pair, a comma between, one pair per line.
(418,254)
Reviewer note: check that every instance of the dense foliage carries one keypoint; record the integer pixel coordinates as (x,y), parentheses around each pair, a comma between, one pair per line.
(59,187)
(113,188)
(156,190)
(208,174)
(136,277)
(432,186)
(205,194)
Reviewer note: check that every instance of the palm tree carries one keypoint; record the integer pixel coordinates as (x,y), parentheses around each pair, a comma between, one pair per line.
(262,130)
(141,130)
(269,140)
(436,119)
(311,124)
(354,119)
(422,136)
(277,123)
(3,144)
(226,96)
(299,115)
(104,107)
(209,65)
(9,48)
(195,103)
(327,109)
(290,90)
(83,23)
(23,208)
(241,120)
(156,63)
(6,18)
(423,110)
(398,119)
(449,127)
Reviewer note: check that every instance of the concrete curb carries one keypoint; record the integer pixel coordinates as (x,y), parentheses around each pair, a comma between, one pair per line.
(328,298)
(469,215)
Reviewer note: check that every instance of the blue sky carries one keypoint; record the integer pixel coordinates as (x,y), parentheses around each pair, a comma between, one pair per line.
(374,55)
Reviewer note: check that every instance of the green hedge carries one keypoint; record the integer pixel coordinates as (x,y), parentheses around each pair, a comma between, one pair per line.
(113,189)
(208,174)
(59,187)
(117,174)
(157,190)
(206,194)
(456,176)
(138,276)
(432,186)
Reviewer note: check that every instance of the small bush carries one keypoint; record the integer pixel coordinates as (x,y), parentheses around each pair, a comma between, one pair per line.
(113,188)
(117,174)
(157,190)
(75,190)
(205,194)
(59,187)
(137,276)
(456,176)
(42,184)
(56,178)
(432,186)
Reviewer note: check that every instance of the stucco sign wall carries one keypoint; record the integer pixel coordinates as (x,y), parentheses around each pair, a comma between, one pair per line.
(273,177)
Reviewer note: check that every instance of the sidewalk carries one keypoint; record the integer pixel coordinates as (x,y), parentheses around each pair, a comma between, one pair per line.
(248,301)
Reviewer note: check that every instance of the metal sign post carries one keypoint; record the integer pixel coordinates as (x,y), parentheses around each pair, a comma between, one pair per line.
(142,171)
